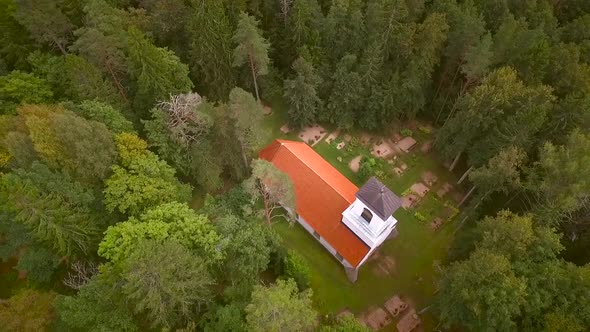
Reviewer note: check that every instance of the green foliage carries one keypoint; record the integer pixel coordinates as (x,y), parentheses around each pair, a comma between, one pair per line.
(19,88)
(64,140)
(251,49)
(482,293)
(516,237)
(83,81)
(247,115)
(38,263)
(97,307)
(280,307)
(210,50)
(301,95)
(182,132)
(27,311)
(15,41)
(142,180)
(296,268)
(345,98)
(346,323)
(167,222)
(407,132)
(343,30)
(247,248)
(166,281)
(501,174)
(105,114)
(157,71)
(511,107)
(272,186)
(45,21)
(421,218)
(235,202)
(367,168)
(305,27)
(54,209)
(562,177)
(513,279)
(224,318)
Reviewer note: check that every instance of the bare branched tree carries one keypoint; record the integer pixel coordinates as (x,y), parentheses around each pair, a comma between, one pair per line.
(184,122)
(81,274)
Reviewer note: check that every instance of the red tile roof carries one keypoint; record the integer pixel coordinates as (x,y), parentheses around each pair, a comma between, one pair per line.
(322,194)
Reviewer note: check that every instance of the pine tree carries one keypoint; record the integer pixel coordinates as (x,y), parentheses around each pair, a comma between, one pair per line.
(45,21)
(247,114)
(102,42)
(252,48)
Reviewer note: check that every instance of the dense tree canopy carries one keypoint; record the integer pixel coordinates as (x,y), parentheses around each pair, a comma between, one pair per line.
(129,132)
(280,307)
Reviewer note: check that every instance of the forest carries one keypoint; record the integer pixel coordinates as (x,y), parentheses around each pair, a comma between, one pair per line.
(115,114)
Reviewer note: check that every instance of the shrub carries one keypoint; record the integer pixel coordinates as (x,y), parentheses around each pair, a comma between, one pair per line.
(419,216)
(297,268)
(407,132)
(380,174)
(354,142)
(425,129)
(367,168)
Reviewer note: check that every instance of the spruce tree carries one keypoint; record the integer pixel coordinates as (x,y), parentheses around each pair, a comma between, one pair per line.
(301,94)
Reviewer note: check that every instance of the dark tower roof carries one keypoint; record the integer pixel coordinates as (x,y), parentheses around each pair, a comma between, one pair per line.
(379,198)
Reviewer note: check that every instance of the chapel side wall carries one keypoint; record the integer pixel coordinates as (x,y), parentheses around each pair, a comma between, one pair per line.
(321,240)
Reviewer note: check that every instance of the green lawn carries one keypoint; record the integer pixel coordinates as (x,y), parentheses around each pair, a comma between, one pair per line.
(416,251)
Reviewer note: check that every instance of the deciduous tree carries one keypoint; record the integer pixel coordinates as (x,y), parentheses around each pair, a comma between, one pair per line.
(142,180)
(280,307)
(166,222)
(247,248)
(98,306)
(64,140)
(481,293)
(28,311)
(104,113)
(166,281)
(19,88)
(562,180)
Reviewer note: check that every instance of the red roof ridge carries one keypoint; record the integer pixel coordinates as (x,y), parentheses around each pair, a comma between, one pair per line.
(286,143)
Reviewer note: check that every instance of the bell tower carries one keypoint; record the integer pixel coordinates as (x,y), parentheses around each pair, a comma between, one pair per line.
(370,216)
